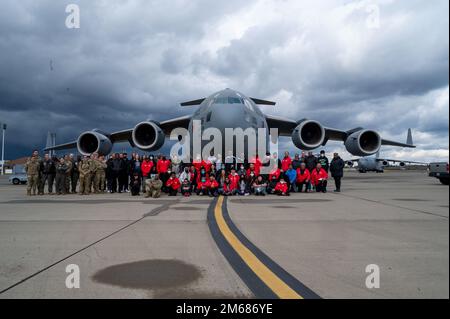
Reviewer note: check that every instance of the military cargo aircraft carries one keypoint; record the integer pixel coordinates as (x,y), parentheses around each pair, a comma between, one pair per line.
(231,109)
(377,164)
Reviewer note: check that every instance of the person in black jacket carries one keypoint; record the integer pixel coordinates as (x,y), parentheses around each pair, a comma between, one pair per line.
(323,160)
(337,170)
(47,172)
(311,162)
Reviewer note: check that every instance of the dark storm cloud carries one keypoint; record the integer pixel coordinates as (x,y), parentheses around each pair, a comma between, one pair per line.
(133,60)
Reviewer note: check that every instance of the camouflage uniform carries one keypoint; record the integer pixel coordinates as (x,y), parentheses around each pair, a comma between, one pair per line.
(95,174)
(100,175)
(32,168)
(68,183)
(85,169)
(153,188)
(93,182)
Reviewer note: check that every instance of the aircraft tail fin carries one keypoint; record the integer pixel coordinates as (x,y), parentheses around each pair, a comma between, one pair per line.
(409,139)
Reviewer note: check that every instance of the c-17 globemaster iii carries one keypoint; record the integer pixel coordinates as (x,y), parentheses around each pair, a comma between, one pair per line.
(377,164)
(231,109)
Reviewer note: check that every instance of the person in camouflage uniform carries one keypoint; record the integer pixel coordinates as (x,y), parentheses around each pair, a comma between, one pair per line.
(85,171)
(100,174)
(94,165)
(153,187)
(68,180)
(32,168)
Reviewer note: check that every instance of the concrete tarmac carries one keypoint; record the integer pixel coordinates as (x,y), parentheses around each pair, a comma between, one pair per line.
(131,247)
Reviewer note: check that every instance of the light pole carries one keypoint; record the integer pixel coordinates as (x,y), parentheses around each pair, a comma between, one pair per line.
(3,148)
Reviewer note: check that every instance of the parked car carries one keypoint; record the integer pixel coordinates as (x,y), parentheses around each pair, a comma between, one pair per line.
(440,171)
(19,176)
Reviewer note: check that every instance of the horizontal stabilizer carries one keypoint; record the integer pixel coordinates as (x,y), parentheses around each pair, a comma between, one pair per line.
(193,102)
(262,102)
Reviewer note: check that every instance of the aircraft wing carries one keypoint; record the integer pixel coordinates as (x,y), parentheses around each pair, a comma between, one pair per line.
(65,146)
(125,135)
(286,126)
(399,161)
(167,127)
(394,143)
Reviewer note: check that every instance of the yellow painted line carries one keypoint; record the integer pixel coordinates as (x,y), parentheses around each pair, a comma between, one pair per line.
(278,286)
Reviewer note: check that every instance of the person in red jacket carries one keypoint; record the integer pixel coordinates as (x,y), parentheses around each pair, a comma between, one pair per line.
(146,168)
(319,178)
(285,162)
(212,186)
(282,188)
(162,168)
(274,172)
(256,164)
(234,180)
(303,178)
(173,184)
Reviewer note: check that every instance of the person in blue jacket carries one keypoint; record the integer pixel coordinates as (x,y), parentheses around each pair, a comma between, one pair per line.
(291,177)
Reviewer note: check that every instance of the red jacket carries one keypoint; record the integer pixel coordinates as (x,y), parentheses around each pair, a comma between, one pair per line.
(174,183)
(282,187)
(226,187)
(315,176)
(285,162)
(258,165)
(211,184)
(146,167)
(162,166)
(234,181)
(276,173)
(198,165)
(301,178)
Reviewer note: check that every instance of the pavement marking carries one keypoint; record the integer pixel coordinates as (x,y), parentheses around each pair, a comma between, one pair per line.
(391,205)
(263,276)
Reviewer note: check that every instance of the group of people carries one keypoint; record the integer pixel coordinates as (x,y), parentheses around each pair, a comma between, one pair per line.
(153,175)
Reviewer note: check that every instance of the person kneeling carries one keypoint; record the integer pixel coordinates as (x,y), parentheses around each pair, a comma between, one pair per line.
(135,184)
(319,178)
(282,188)
(212,186)
(153,187)
(259,186)
(186,188)
(173,184)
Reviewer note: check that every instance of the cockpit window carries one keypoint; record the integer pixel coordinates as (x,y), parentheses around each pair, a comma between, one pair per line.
(228,100)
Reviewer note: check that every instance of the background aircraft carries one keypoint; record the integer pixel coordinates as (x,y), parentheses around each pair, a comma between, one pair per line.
(231,109)
(377,164)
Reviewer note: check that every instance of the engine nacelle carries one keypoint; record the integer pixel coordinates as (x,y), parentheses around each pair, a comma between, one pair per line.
(148,136)
(94,142)
(385,163)
(349,163)
(402,164)
(363,143)
(308,135)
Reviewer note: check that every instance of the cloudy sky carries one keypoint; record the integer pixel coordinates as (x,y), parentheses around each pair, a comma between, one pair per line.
(379,64)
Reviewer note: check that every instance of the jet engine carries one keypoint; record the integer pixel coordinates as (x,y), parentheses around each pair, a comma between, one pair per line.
(363,143)
(94,142)
(402,164)
(385,163)
(148,136)
(308,135)
(349,163)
